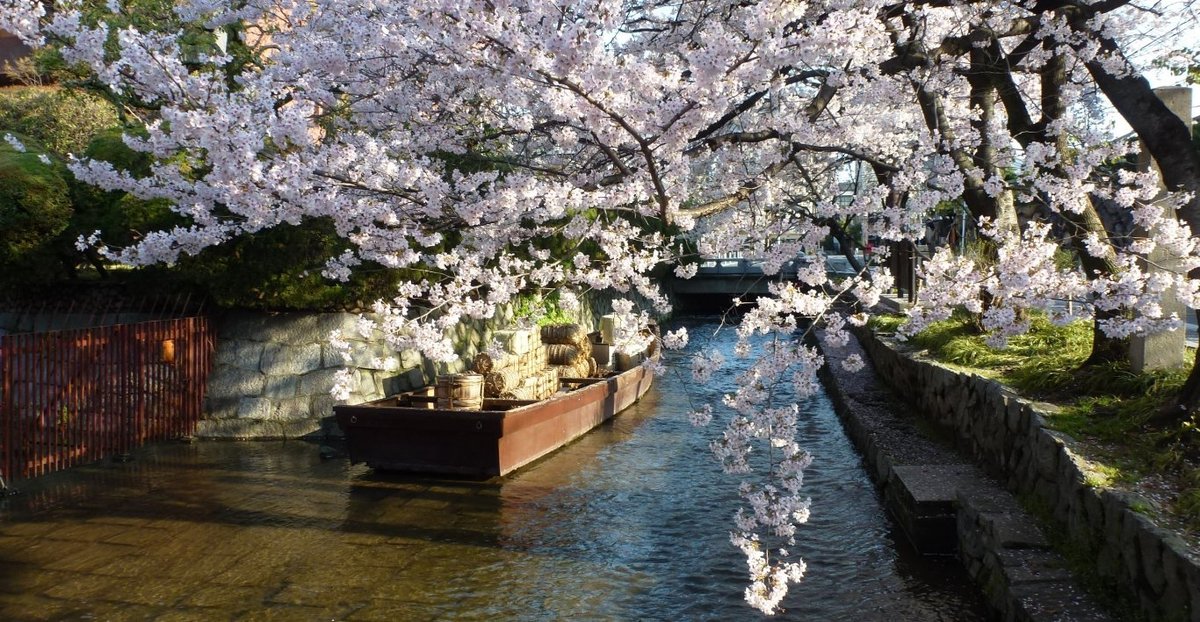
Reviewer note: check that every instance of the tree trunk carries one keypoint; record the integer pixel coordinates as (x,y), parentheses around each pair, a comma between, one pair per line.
(846,243)
(1086,219)
(1187,401)
(1105,349)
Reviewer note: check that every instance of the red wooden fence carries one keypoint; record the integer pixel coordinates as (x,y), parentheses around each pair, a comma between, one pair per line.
(75,396)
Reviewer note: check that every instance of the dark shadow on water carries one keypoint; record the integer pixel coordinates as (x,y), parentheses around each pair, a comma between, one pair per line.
(629,522)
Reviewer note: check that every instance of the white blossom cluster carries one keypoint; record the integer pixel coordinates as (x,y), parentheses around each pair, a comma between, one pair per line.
(498,148)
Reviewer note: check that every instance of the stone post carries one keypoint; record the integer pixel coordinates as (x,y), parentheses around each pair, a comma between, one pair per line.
(1164,350)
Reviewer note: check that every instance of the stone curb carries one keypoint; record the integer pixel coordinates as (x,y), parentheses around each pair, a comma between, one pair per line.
(1007,436)
(946,505)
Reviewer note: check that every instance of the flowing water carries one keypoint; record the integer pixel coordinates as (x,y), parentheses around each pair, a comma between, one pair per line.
(630,522)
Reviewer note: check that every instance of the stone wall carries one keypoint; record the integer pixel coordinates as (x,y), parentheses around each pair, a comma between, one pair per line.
(945,504)
(272,372)
(1008,436)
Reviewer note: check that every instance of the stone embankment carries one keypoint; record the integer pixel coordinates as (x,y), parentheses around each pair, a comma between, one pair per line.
(947,505)
(272,372)
(1008,437)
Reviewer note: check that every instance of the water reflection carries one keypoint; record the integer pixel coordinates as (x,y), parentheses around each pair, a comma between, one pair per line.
(628,523)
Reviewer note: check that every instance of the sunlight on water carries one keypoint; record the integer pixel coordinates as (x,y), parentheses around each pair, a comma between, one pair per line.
(629,523)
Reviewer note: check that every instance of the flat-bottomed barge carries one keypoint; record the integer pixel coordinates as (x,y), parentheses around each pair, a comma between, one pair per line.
(407,432)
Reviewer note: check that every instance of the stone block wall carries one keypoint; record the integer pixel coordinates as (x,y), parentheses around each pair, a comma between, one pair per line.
(1010,559)
(272,372)
(1008,436)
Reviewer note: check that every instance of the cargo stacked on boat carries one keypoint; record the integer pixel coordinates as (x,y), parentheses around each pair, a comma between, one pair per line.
(534,360)
(607,354)
(525,414)
(604,348)
(568,350)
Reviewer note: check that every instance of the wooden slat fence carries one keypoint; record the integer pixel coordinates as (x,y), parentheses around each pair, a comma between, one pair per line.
(75,396)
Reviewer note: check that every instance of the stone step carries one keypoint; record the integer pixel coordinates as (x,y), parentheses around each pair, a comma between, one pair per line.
(946,505)
(924,499)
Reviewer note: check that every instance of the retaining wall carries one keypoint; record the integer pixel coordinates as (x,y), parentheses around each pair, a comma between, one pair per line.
(272,372)
(1008,436)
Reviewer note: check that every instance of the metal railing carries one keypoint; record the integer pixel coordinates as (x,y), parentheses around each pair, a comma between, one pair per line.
(71,397)
(733,264)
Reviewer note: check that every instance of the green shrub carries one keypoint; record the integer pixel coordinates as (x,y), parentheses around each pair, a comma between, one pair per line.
(542,309)
(120,217)
(63,120)
(280,268)
(35,201)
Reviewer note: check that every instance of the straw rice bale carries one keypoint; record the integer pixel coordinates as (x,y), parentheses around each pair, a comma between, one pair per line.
(563,354)
(484,362)
(569,334)
(500,380)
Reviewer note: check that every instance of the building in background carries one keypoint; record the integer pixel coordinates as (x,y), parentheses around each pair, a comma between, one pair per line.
(11,51)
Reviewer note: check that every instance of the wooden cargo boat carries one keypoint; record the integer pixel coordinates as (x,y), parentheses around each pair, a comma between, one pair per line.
(407,433)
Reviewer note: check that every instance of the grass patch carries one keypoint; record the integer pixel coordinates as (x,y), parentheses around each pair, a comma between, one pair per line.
(881,323)
(1038,362)
(1100,475)
(1108,403)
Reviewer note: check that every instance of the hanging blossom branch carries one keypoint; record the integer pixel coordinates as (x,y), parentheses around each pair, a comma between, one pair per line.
(611,128)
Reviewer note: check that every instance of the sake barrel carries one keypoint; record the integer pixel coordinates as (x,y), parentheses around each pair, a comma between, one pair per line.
(459,392)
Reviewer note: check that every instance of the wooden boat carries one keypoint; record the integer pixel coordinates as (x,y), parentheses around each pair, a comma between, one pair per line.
(407,433)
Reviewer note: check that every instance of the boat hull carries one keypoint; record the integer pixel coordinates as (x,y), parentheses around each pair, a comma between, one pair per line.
(486,442)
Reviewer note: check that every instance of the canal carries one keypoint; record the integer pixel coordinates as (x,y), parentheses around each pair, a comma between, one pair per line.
(630,522)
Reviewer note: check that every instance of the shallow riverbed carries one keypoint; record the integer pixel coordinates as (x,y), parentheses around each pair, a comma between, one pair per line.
(629,523)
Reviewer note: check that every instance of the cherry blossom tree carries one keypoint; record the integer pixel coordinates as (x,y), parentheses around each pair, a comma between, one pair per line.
(1049,58)
(495,147)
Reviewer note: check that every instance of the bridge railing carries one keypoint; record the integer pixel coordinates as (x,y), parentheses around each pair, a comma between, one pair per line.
(744,266)
(903,262)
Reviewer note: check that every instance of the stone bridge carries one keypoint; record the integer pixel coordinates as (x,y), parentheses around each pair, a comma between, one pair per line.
(735,275)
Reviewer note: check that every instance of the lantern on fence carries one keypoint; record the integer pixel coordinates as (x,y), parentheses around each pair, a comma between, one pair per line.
(168,351)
